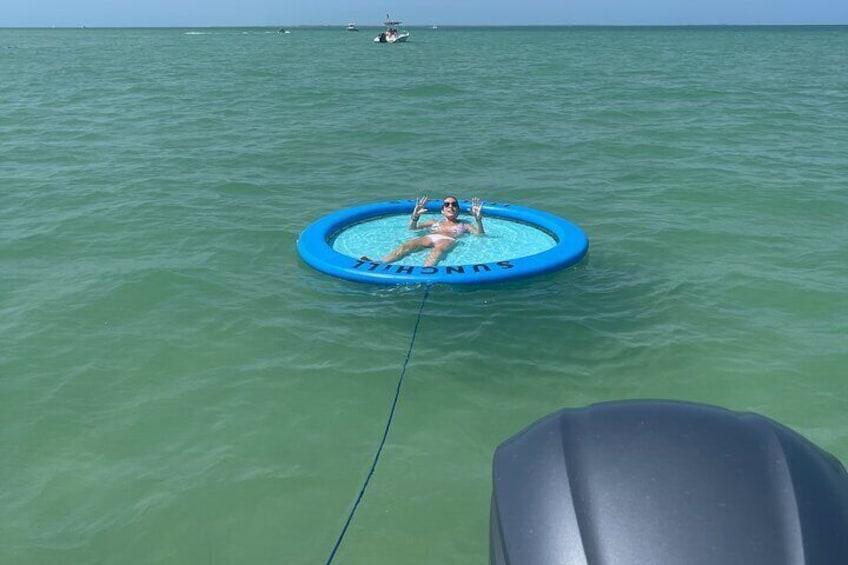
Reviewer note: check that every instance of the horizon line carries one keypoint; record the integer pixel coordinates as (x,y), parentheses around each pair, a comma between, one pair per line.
(342,25)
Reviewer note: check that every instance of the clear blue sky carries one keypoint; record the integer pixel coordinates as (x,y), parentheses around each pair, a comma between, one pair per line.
(202,13)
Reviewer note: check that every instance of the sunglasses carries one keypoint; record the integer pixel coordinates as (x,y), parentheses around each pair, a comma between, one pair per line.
(453,204)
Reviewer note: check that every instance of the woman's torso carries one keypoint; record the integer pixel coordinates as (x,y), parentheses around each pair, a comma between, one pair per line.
(453,229)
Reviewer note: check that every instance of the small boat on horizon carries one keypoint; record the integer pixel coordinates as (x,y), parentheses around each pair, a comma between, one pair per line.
(352,27)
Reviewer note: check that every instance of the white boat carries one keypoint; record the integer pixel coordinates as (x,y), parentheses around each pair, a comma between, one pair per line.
(352,27)
(391,35)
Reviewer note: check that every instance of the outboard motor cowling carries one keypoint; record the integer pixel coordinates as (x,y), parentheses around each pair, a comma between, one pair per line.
(665,483)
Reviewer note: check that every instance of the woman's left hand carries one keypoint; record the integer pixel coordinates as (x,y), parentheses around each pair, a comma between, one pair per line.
(476,208)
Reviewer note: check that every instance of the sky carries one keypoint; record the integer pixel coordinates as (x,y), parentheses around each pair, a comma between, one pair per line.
(208,13)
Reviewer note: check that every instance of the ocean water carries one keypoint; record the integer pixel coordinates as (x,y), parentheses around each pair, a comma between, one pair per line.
(177,387)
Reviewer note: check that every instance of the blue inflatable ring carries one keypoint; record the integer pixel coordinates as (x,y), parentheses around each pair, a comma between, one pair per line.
(314,247)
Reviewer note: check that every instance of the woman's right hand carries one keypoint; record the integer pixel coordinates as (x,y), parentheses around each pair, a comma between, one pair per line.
(420,206)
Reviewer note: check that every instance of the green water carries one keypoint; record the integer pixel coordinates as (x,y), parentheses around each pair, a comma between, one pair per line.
(177,387)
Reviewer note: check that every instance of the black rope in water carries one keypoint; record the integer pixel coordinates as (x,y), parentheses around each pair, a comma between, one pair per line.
(385,432)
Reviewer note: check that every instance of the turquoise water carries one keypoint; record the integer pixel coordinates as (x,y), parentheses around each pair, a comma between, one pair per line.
(177,387)
(503,239)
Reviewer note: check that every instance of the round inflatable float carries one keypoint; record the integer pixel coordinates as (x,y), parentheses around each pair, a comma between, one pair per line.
(520,242)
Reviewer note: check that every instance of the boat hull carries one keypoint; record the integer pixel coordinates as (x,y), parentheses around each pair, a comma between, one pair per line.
(400,38)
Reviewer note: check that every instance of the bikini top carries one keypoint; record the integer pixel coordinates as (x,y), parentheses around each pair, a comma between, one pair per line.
(457,229)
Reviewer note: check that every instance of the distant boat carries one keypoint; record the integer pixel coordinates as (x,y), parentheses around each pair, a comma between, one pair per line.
(435,26)
(352,27)
(283,30)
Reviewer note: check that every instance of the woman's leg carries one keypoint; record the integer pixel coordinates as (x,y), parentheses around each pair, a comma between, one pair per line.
(439,249)
(405,249)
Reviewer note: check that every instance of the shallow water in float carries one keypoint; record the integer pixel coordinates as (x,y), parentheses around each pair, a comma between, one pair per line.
(503,240)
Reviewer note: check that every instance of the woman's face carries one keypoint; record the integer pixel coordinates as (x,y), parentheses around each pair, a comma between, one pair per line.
(450,208)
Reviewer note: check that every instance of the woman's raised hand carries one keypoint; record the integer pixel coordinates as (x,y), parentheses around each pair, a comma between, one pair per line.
(476,208)
(420,206)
